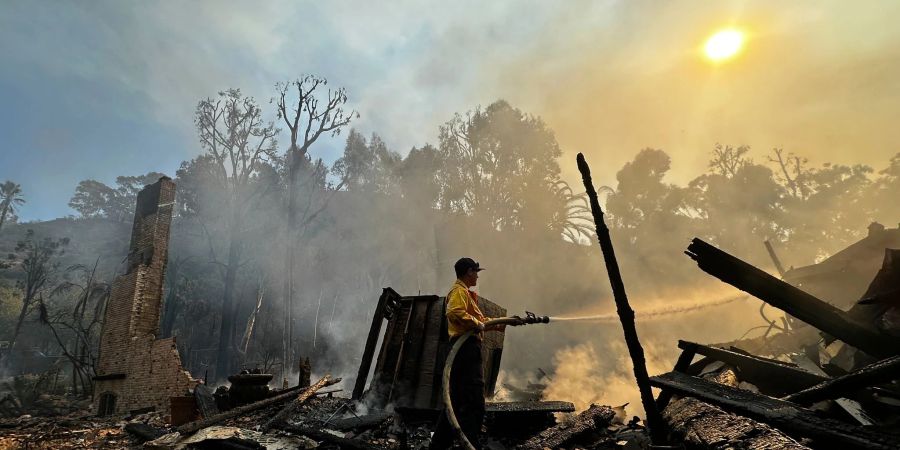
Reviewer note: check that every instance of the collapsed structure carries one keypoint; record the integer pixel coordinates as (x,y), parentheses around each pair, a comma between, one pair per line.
(826,381)
(137,371)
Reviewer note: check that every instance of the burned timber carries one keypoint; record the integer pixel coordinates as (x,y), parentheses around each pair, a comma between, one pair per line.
(828,380)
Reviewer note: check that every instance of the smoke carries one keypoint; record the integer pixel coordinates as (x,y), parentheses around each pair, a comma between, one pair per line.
(585,376)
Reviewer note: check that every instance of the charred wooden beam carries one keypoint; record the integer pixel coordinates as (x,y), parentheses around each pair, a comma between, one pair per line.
(791,300)
(305,394)
(623,309)
(365,421)
(191,427)
(774,257)
(369,351)
(876,373)
(594,418)
(683,363)
(704,426)
(788,417)
(324,436)
(768,374)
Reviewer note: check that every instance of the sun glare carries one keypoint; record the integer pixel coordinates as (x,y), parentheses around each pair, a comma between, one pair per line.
(724,45)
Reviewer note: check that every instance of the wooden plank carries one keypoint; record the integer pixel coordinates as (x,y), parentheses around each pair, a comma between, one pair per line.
(681,365)
(704,426)
(788,417)
(431,338)
(772,377)
(324,436)
(791,300)
(191,427)
(390,355)
(292,407)
(437,399)
(405,386)
(528,407)
(880,372)
(366,363)
(401,348)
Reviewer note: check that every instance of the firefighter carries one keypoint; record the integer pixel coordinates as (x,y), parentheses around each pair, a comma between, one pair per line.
(467,376)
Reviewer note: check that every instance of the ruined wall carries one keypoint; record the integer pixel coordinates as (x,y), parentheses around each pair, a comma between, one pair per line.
(134,367)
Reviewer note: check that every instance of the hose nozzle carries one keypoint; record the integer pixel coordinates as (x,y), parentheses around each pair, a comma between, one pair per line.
(530,317)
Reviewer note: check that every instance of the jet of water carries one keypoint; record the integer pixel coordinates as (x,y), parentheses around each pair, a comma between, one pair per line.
(654,313)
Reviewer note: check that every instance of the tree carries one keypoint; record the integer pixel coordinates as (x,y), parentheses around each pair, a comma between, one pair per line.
(76,321)
(240,148)
(886,189)
(641,193)
(417,173)
(368,166)
(500,164)
(95,199)
(10,199)
(308,114)
(37,261)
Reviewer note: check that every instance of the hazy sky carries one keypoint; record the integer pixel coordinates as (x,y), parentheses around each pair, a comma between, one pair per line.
(99,89)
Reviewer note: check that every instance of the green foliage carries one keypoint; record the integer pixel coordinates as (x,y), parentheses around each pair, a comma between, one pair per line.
(367,166)
(499,164)
(10,200)
(95,199)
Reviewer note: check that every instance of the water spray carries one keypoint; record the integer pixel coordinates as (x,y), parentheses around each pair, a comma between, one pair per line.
(654,313)
(530,318)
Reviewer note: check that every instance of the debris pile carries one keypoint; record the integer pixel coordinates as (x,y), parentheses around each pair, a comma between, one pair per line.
(828,379)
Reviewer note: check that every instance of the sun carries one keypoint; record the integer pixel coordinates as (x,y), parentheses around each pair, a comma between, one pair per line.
(724,45)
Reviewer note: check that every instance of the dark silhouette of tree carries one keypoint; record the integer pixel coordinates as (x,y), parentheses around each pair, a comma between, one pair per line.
(727,160)
(500,164)
(417,174)
(38,263)
(641,193)
(239,148)
(368,166)
(10,200)
(310,110)
(75,322)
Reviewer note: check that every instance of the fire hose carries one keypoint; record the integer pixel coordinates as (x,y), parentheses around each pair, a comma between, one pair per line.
(448,366)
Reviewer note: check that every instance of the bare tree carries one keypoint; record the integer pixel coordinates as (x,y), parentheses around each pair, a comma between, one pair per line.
(240,145)
(75,325)
(727,160)
(10,199)
(794,173)
(309,113)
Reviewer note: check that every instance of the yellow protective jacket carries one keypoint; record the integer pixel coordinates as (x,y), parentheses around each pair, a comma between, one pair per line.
(463,313)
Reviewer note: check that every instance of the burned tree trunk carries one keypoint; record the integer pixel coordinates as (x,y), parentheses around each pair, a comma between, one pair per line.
(626,314)
(791,300)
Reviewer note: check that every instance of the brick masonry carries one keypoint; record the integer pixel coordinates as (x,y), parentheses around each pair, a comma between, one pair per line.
(140,370)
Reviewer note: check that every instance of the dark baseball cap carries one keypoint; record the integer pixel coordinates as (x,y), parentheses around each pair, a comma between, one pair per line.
(464,264)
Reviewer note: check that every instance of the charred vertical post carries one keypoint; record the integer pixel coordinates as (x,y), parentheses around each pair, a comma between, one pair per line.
(626,314)
(371,342)
(774,257)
